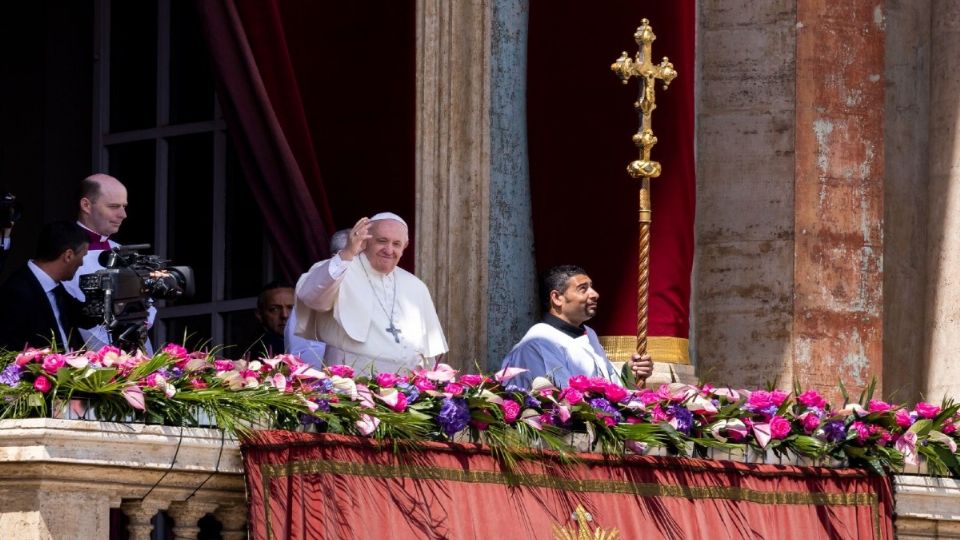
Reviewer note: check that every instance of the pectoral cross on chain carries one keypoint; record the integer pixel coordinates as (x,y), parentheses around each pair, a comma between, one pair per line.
(395,331)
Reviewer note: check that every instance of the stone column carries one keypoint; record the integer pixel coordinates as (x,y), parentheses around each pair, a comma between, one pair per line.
(233,518)
(907,163)
(53,512)
(743,284)
(140,515)
(838,252)
(943,221)
(185,516)
(473,221)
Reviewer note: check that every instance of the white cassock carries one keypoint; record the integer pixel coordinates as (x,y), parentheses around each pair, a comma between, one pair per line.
(96,337)
(308,350)
(546,351)
(348,306)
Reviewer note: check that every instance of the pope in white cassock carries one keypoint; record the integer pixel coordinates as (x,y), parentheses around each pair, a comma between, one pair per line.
(370,313)
(562,346)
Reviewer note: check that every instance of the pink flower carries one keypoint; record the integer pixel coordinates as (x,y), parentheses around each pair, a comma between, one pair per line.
(779,427)
(546,418)
(647,397)
(53,362)
(198,384)
(657,415)
(863,431)
(810,422)
(511,410)
(927,410)
(572,395)
(401,404)
(760,399)
(471,380)
(176,351)
(877,405)
(811,398)
(950,426)
(778,397)
(387,380)
(609,421)
(885,437)
(42,384)
(341,370)
(423,384)
(30,355)
(223,365)
(903,418)
(615,393)
(579,382)
(454,389)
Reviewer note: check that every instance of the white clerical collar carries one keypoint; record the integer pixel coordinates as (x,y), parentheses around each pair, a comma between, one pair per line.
(365,261)
(102,237)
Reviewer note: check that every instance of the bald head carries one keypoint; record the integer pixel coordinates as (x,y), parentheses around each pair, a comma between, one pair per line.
(103,204)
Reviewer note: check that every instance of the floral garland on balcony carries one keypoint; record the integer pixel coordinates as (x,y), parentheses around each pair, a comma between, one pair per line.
(179,387)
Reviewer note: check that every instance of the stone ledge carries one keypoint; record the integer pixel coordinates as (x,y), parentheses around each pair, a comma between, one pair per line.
(927,498)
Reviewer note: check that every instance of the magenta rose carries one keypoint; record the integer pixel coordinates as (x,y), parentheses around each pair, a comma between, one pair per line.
(511,410)
(53,362)
(223,365)
(759,399)
(811,398)
(876,405)
(778,397)
(647,397)
(572,396)
(454,389)
(863,431)
(482,426)
(387,380)
(42,384)
(615,393)
(810,422)
(198,384)
(470,379)
(423,384)
(657,415)
(341,370)
(779,427)
(401,404)
(176,350)
(903,418)
(579,382)
(927,410)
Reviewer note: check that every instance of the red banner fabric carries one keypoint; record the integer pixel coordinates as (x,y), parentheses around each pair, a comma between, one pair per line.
(328,486)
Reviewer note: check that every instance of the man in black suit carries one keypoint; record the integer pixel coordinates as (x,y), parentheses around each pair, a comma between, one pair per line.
(35,309)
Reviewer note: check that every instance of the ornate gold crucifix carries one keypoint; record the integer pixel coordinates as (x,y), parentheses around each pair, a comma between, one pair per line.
(642,68)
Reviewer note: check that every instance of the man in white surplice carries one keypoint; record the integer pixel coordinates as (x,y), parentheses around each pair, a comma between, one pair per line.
(370,313)
(561,345)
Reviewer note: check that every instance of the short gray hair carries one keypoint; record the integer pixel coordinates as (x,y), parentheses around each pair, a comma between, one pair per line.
(339,240)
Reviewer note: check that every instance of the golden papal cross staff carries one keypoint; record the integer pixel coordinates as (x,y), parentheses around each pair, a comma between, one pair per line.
(642,68)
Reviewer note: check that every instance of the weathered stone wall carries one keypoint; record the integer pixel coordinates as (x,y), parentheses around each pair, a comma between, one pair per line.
(838,296)
(906,128)
(743,283)
(943,224)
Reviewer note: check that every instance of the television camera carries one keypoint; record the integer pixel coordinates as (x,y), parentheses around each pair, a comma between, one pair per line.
(121,294)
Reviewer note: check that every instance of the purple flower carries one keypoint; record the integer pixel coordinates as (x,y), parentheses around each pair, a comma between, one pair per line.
(531,402)
(682,418)
(10,375)
(834,431)
(602,404)
(410,390)
(454,415)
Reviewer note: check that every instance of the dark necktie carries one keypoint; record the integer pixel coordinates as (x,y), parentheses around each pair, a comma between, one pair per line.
(62,297)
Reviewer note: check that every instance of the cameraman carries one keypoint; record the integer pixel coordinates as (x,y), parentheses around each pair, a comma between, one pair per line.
(35,310)
(102,209)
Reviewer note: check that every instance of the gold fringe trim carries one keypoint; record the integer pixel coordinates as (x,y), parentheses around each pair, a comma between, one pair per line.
(669,350)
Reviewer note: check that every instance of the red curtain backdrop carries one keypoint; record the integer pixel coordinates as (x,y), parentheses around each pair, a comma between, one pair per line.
(327,486)
(580,121)
(263,109)
(318,86)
